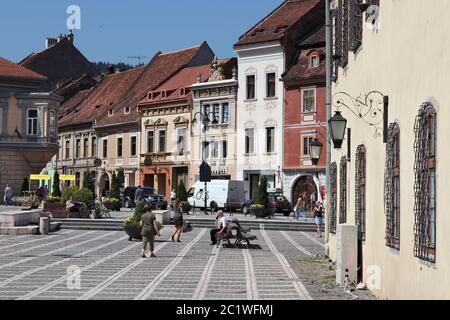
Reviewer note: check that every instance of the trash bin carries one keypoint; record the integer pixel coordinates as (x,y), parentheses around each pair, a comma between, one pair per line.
(44,225)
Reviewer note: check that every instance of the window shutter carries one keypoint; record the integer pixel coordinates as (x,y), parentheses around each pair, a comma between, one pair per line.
(356,25)
(344,30)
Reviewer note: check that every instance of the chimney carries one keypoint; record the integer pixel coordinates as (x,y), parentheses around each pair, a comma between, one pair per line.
(60,38)
(199,77)
(70,37)
(110,69)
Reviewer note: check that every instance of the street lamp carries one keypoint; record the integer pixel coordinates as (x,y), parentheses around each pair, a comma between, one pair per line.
(315,150)
(337,125)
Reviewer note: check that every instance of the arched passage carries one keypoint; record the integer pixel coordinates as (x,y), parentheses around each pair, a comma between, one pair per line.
(104,184)
(310,184)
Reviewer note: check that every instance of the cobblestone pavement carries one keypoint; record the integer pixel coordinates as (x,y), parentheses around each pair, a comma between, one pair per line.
(105,265)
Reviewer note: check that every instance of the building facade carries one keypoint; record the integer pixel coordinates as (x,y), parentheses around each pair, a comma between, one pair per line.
(215,98)
(394,192)
(305,120)
(28,124)
(264,53)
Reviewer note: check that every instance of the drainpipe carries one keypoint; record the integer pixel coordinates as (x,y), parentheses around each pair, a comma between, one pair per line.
(328,115)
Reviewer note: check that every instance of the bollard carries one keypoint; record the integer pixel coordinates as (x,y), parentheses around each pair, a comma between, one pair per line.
(44,225)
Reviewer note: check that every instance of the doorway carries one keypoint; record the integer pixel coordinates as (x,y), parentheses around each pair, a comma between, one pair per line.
(254,183)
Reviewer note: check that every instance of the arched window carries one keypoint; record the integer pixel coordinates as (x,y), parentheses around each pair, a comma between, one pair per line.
(343,191)
(425,184)
(392,187)
(333,197)
(360,192)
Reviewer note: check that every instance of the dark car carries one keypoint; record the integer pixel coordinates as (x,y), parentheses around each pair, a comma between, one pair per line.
(150,195)
(278,202)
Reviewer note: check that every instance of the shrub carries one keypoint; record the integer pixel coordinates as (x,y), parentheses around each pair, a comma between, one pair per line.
(67,193)
(111,200)
(115,187)
(181,191)
(88,182)
(56,192)
(262,197)
(139,211)
(257,206)
(52,199)
(83,195)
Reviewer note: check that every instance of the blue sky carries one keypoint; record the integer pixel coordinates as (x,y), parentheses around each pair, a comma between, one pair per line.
(112,30)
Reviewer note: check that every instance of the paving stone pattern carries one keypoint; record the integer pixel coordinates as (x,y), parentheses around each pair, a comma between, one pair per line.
(102,265)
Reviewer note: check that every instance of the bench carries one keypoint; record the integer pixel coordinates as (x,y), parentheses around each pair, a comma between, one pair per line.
(237,233)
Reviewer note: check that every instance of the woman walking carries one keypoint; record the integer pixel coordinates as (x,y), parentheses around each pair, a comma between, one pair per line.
(149,231)
(318,216)
(300,206)
(177,219)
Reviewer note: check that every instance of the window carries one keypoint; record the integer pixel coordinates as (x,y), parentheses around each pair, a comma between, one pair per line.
(343,191)
(309,100)
(150,141)
(1,121)
(270,85)
(360,192)
(216,111)
(77,148)
(110,112)
(162,141)
(32,122)
(181,141)
(120,147)
(67,149)
(270,140)
(127,110)
(215,150)
(315,61)
(133,146)
(205,149)
(251,87)
(344,53)
(52,128)
(206,110)
(105,148)
(85,147)
(425,184)
(224,149)
(392,187)
(94,149)
(356,25)
(333,197)
(250,141)
(306,143)
(225,113)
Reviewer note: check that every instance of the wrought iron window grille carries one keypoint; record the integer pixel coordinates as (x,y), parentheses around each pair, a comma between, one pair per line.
(360,191)
(343,191)
(333,197)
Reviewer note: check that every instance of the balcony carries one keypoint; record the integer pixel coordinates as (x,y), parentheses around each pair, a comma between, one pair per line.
(28,140)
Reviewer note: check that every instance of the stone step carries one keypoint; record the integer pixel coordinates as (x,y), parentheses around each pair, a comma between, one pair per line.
(19,231)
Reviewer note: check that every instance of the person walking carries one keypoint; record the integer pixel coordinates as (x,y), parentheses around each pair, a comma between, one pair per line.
(312,201)
(173,197)
(138,195)
(8,195)
(318,216)
(177,219)
(300,206)
(46,192)
(221,226)
(149,231)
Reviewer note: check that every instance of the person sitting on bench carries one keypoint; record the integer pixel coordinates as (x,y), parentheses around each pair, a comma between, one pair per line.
(74,206)
(221,226)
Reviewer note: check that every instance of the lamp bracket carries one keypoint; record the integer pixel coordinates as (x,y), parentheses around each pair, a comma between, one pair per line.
(368,108)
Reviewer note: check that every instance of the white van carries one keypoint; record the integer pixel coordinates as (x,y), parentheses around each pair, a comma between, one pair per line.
(221,194)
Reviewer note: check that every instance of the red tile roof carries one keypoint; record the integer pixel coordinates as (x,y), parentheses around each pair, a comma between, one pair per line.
(102,98)
(302,74)
(72,103)
(11,70)
(183,79)
(274,26)
(158,70)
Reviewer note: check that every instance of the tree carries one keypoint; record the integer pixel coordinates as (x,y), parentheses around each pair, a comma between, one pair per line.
(121,178)
(181,191)
(115,188)
(88,182)
(262,197)
(56,192)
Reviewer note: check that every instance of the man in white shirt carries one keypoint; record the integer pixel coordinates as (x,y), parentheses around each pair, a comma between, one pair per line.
(221,226)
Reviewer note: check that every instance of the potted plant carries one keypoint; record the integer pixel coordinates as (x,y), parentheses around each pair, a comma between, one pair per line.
(131,224)
(112,204)
(260,208)
(182,195)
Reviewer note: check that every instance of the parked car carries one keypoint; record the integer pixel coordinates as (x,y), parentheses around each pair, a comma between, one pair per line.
(150,195)
(277,201)
(221,194)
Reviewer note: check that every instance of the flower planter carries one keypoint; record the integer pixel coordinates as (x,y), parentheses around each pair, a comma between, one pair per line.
(261,213)
(133,231)
(113,206)
(58,210)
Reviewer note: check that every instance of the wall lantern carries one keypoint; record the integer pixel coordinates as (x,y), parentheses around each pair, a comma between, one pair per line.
(315,150)
(337,125)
